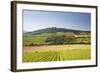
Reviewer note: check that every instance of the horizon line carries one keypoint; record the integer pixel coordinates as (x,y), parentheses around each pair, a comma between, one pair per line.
(54,27)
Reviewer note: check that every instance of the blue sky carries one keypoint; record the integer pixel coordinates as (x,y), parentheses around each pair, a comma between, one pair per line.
(34,20)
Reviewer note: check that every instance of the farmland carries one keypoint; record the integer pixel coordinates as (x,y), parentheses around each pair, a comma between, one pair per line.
(56,44)
(56,53)
(69,37)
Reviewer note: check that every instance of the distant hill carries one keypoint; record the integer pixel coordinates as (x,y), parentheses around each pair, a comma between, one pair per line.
(53,30)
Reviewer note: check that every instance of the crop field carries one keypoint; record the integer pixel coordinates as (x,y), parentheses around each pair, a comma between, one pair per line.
(56,53)
(56,46)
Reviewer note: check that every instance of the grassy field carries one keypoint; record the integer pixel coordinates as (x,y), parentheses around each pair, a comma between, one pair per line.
(56,53)
(41,38)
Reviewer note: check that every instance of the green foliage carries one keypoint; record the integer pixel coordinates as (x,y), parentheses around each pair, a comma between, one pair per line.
(56,38)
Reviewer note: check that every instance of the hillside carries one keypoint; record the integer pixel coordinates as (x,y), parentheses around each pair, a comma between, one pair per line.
(53,30)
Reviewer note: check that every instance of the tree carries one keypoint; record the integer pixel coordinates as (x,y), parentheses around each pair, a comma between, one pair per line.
(56,39)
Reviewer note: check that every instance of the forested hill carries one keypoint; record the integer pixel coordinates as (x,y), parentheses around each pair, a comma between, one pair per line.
(53,30)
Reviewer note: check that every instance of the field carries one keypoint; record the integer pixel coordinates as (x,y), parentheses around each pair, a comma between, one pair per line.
(54,44)
(56,53)
(66,38)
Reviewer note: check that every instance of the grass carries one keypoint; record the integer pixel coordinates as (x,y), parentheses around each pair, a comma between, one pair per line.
(35,40)
(41,38)
(82,53)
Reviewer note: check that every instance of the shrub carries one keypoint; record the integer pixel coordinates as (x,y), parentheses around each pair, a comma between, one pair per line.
(56,39)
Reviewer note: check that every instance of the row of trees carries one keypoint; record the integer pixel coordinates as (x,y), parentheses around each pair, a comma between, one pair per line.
(61,39)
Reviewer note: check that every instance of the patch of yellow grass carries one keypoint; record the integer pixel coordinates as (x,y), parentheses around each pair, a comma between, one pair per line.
(54,47)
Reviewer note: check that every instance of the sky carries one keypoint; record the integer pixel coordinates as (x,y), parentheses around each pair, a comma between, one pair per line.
(34,20)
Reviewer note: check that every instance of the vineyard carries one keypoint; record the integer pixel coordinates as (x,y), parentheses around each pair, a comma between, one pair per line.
(65,53)
(56,44)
